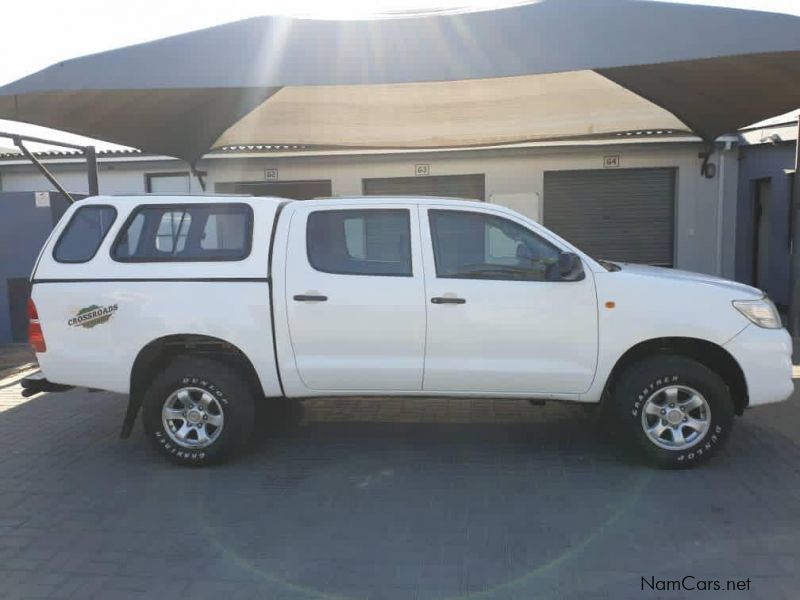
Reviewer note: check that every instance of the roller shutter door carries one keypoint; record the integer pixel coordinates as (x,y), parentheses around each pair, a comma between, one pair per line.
(295,190)
(625,215)
(471,187)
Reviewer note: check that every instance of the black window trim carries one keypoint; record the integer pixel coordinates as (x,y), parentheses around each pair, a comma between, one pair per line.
(489,214)
(405,210)
(66,229)
(180,206)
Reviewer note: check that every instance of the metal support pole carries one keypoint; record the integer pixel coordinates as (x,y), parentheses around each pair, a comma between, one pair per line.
(794,307)
(30,138)
(718,263)
(91,167)
(88,151)
(200,178)
(53,181)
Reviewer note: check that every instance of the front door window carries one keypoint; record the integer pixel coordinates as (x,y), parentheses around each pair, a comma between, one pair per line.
(469,245)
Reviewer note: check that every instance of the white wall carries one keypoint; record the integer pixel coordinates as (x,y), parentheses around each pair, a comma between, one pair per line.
(510,171)
(115,178)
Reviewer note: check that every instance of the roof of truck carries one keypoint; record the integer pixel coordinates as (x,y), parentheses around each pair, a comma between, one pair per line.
(210,198)
(400,198)
(177,199)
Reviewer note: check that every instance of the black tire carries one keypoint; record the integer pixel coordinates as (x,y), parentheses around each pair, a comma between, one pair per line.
(643,380)
(234,400)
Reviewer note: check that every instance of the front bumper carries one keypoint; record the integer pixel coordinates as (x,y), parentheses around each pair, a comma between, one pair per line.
(765,356)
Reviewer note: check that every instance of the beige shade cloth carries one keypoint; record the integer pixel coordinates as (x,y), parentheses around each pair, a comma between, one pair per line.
(454,113)
(553,69)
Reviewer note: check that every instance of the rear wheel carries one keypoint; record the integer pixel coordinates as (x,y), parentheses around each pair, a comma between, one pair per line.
(198,411)
(676,411)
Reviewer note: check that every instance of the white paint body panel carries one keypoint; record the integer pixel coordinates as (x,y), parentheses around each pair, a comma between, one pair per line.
(102,356)
(381,335)
(370,333)
(519,337)
(653,302)
(765,356)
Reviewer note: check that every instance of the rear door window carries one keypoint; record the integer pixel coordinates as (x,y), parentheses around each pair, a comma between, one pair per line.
(84,233)
(360,242)
(186,232)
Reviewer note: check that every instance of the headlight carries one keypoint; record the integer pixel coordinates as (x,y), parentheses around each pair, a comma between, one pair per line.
(761,312)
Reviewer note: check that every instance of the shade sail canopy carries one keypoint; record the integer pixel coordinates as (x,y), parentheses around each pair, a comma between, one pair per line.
(552,69)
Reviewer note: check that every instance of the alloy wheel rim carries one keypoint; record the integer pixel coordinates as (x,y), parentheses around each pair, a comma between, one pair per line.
(192,417)
(676,417)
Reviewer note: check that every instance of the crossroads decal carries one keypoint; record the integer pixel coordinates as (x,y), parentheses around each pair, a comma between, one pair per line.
(92,315)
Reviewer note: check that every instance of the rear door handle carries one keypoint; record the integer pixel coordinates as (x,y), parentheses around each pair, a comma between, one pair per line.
(447,300)
(308,298)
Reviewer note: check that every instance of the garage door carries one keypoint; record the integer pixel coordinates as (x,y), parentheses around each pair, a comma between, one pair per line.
(625,215)
(295,190)
(472,187)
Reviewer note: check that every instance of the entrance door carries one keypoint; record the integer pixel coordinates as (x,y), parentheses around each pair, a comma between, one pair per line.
(495,321)
(762,196)
(356,296)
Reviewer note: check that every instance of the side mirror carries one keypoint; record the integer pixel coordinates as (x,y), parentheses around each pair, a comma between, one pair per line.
(568,268)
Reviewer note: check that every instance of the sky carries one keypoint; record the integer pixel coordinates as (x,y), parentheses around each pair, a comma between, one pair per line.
(38,33)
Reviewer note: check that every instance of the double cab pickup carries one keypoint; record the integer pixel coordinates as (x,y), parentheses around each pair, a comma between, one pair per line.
(198,308)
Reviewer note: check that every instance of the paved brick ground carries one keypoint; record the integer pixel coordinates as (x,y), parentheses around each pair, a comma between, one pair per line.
(387,499)
(14,357)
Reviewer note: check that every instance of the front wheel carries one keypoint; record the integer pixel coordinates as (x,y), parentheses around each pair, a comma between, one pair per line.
(198,411)
(676,411)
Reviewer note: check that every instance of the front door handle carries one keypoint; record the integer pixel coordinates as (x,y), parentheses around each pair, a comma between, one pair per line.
(447,300)
(309,298)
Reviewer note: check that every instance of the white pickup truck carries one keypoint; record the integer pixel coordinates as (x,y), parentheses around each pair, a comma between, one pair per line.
(200,307)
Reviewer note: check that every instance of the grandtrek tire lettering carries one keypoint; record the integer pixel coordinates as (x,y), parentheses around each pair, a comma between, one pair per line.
(649,390)
(646,379)
(221,382)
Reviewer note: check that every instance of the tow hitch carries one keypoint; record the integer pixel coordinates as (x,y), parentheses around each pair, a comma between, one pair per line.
(36,384)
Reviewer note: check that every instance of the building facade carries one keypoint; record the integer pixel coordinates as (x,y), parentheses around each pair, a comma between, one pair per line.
(638,198)
(766,205)
(26,219)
